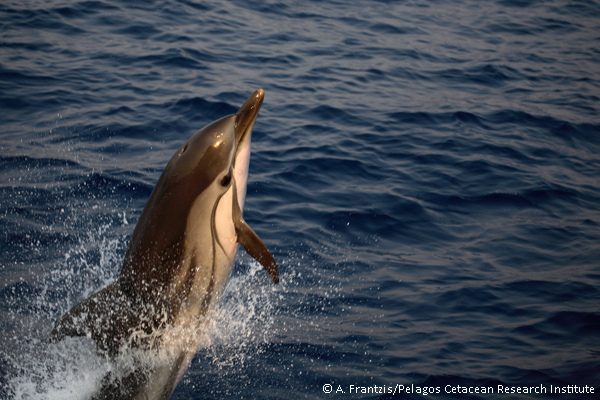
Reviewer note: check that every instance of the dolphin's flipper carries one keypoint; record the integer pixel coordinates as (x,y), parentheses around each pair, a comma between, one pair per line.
(256,248)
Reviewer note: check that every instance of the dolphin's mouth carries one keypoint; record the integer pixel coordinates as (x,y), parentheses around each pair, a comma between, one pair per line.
(245,118)
(244,121)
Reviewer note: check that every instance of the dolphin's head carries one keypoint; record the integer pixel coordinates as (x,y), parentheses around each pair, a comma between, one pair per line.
(187,235)
(218,153)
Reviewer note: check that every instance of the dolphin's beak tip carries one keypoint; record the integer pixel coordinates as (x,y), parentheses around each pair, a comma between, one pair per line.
(259,96)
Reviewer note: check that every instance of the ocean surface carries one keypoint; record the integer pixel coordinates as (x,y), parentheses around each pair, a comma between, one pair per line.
(426,174)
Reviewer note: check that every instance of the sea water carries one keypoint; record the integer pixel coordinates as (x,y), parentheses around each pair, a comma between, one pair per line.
(426,174)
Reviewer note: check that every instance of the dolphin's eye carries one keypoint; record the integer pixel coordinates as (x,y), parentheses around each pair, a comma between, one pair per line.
(226,180)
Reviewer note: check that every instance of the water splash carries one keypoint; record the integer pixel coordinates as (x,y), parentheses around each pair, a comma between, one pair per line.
(72,369)
(243,319)
(67,370)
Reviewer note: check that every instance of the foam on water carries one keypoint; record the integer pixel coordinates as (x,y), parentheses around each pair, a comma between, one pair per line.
(70,369)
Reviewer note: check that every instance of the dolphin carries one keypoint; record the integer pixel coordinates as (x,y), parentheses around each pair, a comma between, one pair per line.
(177,264)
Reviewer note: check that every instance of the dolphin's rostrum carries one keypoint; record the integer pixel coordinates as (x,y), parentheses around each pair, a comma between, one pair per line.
(178,260)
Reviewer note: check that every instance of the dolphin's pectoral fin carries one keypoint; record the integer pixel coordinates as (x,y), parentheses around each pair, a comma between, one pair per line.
(252,243)
(256,248)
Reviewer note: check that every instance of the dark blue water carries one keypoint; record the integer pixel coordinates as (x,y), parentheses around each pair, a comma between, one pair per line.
(426,173)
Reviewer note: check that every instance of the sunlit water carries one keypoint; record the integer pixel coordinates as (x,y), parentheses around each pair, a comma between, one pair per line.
(426,174)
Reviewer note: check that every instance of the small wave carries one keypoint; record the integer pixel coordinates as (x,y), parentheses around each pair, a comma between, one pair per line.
(199,109)
(105,186)
(583,325)
(389,29)
(492,199)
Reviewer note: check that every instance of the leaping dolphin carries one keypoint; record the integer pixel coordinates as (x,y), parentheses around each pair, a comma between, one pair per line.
(178,261)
